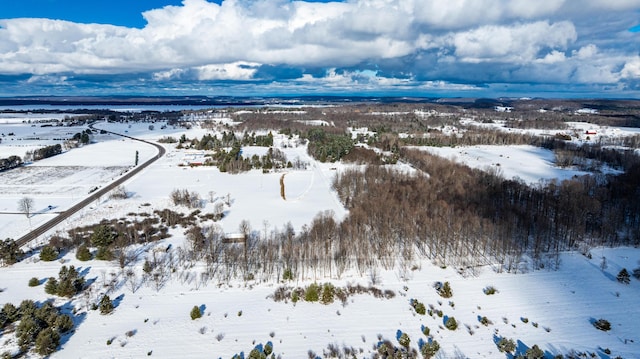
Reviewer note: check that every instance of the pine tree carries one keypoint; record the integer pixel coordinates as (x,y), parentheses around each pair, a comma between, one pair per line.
(48,253)
(623,276)
(430,349)
(506,345)
(83,253)
(534,353)
(404,340)
(195,313)
(47,341)
(106,305)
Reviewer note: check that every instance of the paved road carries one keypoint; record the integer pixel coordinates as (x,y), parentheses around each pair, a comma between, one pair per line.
(22,241)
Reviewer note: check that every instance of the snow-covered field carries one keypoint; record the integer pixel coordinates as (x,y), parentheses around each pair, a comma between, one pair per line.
(559,305)
(528,163)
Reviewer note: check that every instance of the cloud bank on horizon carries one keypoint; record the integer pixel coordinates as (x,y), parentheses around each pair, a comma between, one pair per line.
(356,46)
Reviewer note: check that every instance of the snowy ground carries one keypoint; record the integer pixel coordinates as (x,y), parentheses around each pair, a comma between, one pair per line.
(561,303)
(559,306)
(528,163)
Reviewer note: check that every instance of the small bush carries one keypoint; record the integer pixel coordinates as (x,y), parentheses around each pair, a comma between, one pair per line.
(451,323)
(328,293)
(48,253)
(104,254)
(506,345)
(52,286)
(418,307)
(430,349)
(485,321)
(534,353)
(83,253)
(404,340)
(490,290)
(47,341)
(34,282)
(426,330)
(195,312)
(311,294)
(636,273)
(602,324)
(444,290)
(287,274)
(524,320)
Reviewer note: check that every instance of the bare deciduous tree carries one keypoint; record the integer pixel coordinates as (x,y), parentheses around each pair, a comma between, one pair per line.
(25,204)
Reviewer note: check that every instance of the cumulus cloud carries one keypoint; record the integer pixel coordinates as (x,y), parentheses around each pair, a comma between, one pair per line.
(419,43)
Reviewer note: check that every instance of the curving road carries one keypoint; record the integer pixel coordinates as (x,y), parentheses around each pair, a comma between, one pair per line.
(22,241)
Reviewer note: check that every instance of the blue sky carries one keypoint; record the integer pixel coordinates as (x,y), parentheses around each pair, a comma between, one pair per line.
(551,48)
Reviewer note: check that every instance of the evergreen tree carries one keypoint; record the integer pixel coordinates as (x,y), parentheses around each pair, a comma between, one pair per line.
(451,323)
(623,276)
(47,341)
(48,253)
(430,349)
(63,323)
(534,353)
(102,236)
(10,252)
(506,345)
(52,286)
(404,340)
(106,305)
(83,253)
(195,312)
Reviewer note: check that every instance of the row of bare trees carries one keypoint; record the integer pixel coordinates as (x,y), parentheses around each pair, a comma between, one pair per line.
(446,212)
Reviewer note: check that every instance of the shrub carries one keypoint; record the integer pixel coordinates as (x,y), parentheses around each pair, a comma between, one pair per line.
(328,293)
(506,345)
(47,342)
(602,324)
(311,294)
(425,330)
(404,340)
(63,323)
(418,306)
(106,305)
(48,253)
(534,353)
(34,282)
(444,289)
(52,286)
(623,276)
(104,254)
(636,273)
(83,253)
(451,323)
(525,320)
(287,274)
(485,321)
(195,312)
(490,290)
(430,349)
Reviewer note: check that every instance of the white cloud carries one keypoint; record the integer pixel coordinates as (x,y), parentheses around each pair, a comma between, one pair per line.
(206,41)
(520,43)
(631,69)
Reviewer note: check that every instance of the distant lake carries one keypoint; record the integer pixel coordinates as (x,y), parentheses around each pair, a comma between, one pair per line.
(117,108)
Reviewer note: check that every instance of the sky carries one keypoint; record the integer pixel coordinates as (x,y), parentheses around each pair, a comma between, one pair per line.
(433,48)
